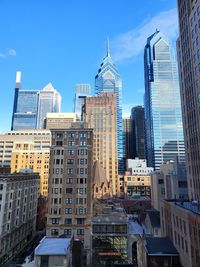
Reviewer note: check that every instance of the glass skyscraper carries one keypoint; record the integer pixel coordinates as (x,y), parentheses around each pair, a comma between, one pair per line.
(81,92)
(49,101)
(108,80)
(31,106)
(137,118)
(163,118)
(25,107)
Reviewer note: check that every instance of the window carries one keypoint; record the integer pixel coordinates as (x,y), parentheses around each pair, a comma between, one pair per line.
(81,200)
(69,190)
(54,231)
(69,170)
(68,201)
(81,191)
(70,161)
(81,210)
(55,220)
(59,135)
(83,135)
(68,210)
(1,186)
(83,143)
(71,143)
(82,152)
(80,220)
(59,143)
(67,231)
(70,152)
(68,221)
(80,231)
(71,135)
(69,180)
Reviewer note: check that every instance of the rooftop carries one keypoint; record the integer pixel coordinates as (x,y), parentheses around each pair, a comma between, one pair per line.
(135,227)
(110,214)
(161,246)
(53,246)
(190,206)
(59,115)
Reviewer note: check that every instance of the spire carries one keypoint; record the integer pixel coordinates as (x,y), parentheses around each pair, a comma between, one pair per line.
(108,48)
(18,79)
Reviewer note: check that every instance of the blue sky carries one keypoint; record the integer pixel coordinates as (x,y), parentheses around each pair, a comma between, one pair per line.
(64,42)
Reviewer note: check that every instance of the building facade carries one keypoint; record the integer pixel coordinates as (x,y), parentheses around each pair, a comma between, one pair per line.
(180,222)
(135,185)
(138,166)
(25,107)
(163,118)
(109,238)
(81,92)
(127,139)
(31,106)
(28,149)
(108,80)
(53,252)
(41,140)
(24,157)
(189,74)
(170,182)
(100,113)
(59,120)
(49,101)
(138,138)
(70,182)
(18,206)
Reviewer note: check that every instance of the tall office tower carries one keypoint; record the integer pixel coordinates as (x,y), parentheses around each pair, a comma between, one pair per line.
(127,138)
(100,113)
(18,202)
(137,118)
(108,80)
(70,182)
(188,47)
(81,92)
(25,107)
(163,119)
(49,101)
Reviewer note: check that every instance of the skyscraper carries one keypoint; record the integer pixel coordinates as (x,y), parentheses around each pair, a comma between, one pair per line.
(187,212)
(109,80)
(188,47)
(127,138)
(100,113)
(81,92)
(49,101)
(31,106)
(137,118)
(70,182)
(25,107)
(163,119)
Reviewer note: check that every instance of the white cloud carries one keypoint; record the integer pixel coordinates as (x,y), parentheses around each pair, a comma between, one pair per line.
(12,52)
(129,45)
(9,52)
